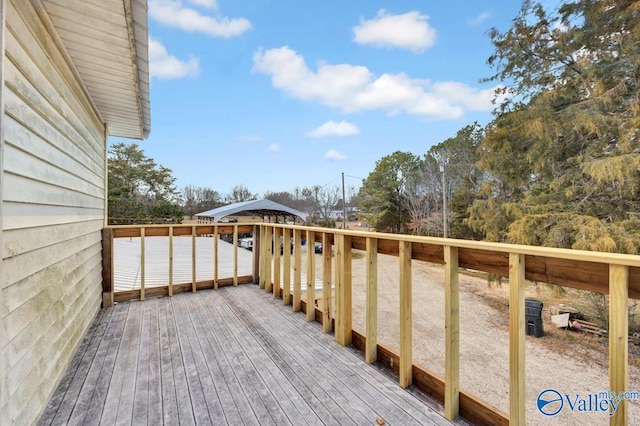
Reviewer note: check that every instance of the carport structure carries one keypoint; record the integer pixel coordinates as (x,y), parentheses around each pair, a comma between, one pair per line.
(264,208)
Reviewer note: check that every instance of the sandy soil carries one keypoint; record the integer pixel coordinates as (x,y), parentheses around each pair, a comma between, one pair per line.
(570,367)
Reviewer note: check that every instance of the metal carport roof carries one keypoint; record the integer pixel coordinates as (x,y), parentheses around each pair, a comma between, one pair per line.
(256,207)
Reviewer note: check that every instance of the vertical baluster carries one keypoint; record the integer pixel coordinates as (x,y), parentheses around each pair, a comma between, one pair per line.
(193,259)
(406,342)
(286,267)
(311,276)
(452,334)
(268,235)
(170,260)
(142,259)
(516,339)
(619,338)
(297,268)
(371,347)
(327,302)
(216,258)
(235,254)
(277,236)
(263,255)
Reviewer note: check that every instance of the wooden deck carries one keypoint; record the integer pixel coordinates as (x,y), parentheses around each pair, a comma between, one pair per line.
(232,356)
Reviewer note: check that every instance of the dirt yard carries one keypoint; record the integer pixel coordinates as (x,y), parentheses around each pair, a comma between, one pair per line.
(561,360)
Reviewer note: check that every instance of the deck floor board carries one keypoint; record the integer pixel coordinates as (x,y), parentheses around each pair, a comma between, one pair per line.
(232,356)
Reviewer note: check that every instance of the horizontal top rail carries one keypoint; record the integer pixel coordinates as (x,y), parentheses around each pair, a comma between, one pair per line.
(579,269)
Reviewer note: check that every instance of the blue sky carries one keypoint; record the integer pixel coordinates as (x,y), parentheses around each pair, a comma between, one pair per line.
(278,94)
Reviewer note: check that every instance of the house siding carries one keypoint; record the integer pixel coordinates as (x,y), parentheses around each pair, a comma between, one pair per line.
(53,207)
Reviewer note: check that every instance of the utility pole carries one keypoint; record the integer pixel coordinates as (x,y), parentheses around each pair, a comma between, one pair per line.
(344,206)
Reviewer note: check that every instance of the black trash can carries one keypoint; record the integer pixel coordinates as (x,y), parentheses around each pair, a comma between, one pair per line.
(533,317)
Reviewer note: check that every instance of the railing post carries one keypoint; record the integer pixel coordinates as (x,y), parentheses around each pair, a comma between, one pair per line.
(170,260)
(311,276)
(216,239)
(452,334)
(619,339)
(268,238)
(327,326)
(142,256)
(286,279)
(277,236)
(516,339)
(193,259)
(343,290)
(406,356)
(297,268)
(371,346)
(107,268)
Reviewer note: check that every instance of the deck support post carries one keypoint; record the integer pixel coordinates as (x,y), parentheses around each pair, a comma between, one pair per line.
(452,334)
(142,264)
(516,339)
(235,255)
(619,338)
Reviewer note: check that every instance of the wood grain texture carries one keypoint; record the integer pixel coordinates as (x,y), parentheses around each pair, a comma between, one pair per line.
(406,316)
(619,339)
(327,300)
(214,358)
(297,269)
(452,333)
(371,349)
(516,339)
(311,275)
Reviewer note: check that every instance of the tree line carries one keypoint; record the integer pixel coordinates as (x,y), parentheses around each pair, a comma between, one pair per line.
(558,166)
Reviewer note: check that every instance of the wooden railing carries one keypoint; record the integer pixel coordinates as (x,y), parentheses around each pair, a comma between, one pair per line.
(143,233)
(613,274)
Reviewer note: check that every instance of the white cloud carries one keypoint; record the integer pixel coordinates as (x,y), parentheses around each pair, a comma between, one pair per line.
(408,31)
(480,18)
(353,88)
(210,4)
(175,14)
(333,128)
(166,67)
(275,147)
(334,155)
